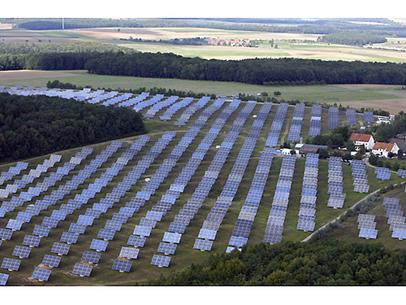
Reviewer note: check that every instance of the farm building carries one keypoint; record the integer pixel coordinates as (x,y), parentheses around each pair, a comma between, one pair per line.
(363,139)
(305,149)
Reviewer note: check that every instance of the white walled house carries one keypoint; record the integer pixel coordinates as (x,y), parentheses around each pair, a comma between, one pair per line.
(383,149)
(363,139)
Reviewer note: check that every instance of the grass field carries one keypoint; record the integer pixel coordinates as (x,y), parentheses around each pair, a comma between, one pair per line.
(390,98)
(185,255)
(348,230)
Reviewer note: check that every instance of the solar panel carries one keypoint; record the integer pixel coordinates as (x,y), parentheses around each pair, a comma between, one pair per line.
(5,234)
(41,231)
(3,279)
(82,270)
(21,251)
(41,274)
(91,257)
(167,248)
(106,234)
(170,237)
(122,266)
(203,244)
(160,260)
(142,230)
(60,248)
(136,241)
(11,264)
(69,237)
(51,261)
(129,253)
(31,241)
(99,245)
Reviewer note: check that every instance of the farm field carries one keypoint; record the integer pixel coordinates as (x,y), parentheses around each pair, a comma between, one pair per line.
(390,98)
(289,44)
(293,45)
(142,271)
(310,50)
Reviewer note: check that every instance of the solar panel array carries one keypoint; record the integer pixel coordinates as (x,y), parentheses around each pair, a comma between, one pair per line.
(148,103)
(351,116)
(274,227)
(359,176)
(335,183)
(191,110)
(315,121)
(168,114)
(245,221)
(333,118)
(84,220)
(13,171)
(160,105)
(367,226)
(189,210)
(395,217)
(224,201)
(114,224)
(102,97)
(369,117)
(40,188)
(297,120)
(135,100)
(95,207)
(33,174)
(307,211)
(117,99)
(383,173)
(277,125)
(214,170)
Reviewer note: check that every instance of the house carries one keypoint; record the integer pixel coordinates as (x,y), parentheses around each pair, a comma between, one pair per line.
(383,149)
(363,139)
(401,143)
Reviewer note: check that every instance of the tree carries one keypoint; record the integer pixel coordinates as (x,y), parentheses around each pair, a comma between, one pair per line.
(323,154)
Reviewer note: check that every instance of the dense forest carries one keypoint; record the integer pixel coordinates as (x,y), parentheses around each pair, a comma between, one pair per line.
(319,263)
(32,126)
(253,71)
(283,71)
(357,38)
(66,47)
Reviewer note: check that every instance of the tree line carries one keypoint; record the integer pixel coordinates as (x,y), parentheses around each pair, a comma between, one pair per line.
(32,126)
(252,71)
(357,38)
(285,71)
(317,263)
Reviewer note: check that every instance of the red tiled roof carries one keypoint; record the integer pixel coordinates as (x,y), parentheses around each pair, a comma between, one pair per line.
(384,146)
(361,137)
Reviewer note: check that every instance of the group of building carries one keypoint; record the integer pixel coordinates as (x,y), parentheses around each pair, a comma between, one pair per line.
(377,148)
